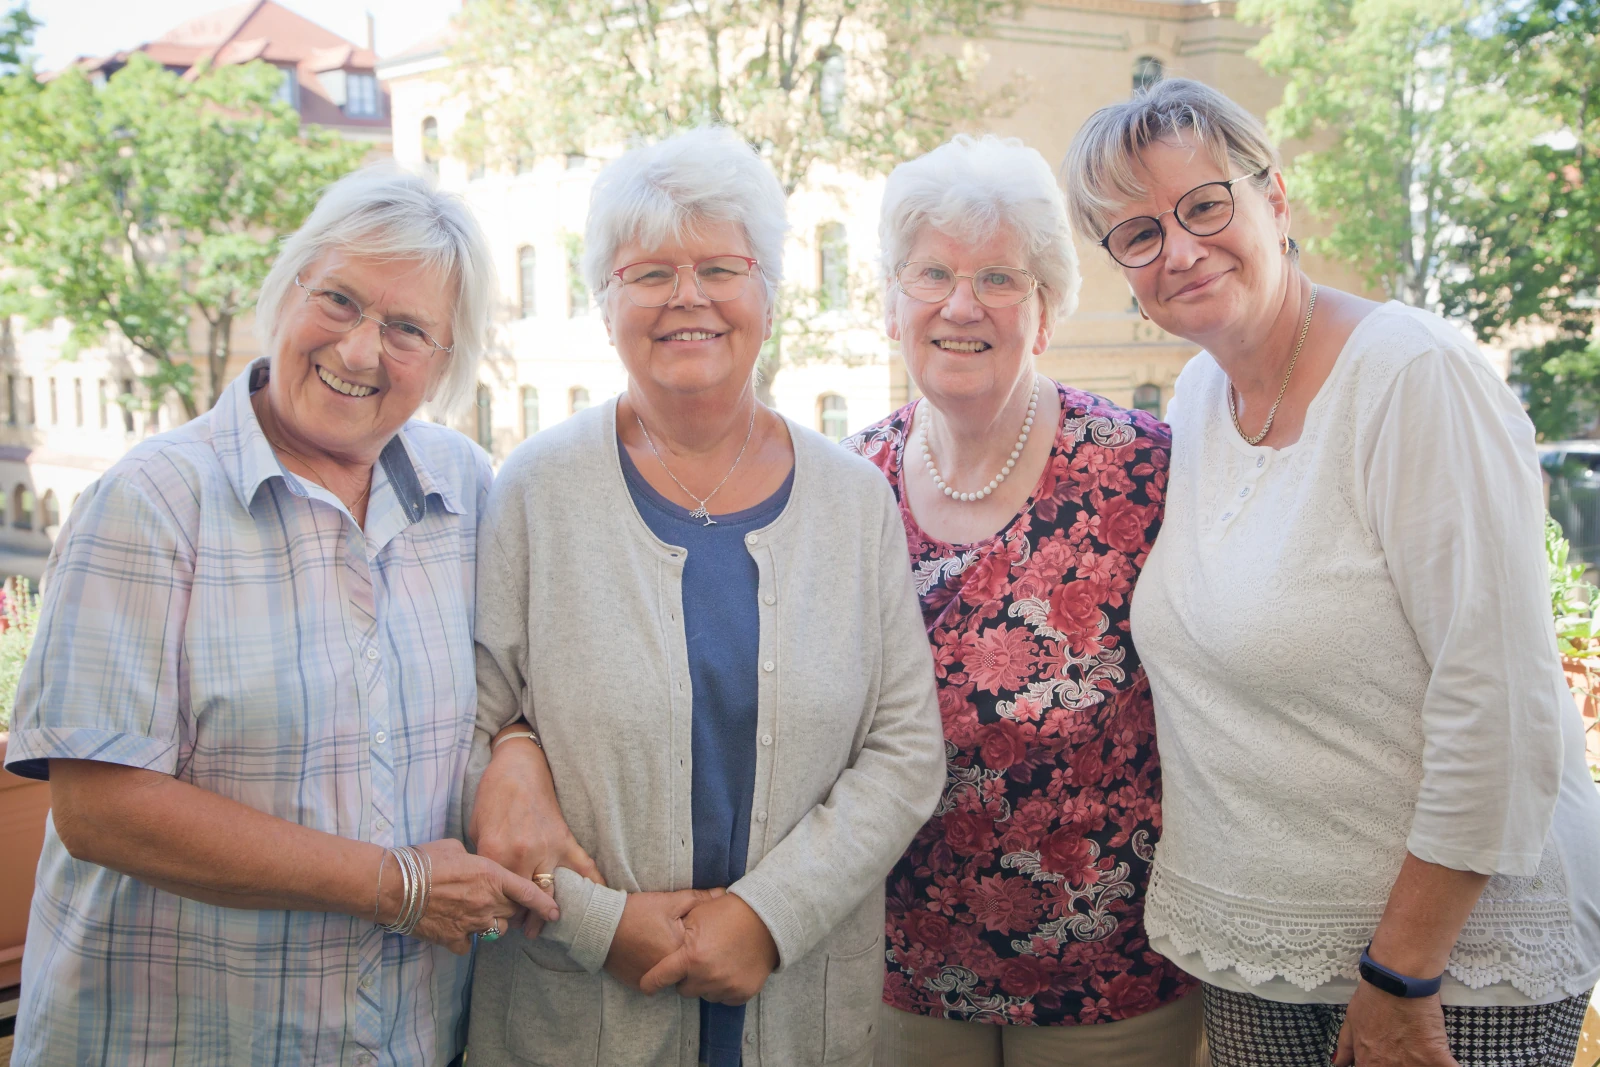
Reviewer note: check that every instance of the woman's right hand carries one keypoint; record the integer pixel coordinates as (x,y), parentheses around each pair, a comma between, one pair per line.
(517,822)
(470,895)
(650,930)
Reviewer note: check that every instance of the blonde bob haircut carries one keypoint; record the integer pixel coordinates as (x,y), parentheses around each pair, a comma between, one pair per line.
(971,187)
(383,212)
(1101,171)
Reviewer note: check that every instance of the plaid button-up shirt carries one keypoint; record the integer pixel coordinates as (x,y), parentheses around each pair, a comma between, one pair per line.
(209,615)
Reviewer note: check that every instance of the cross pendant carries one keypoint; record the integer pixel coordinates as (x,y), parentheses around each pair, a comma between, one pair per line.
(701,513)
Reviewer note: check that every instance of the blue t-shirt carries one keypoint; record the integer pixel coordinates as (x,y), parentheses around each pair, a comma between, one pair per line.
(722,626)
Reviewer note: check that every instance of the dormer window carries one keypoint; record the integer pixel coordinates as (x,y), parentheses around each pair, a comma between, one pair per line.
(361,96)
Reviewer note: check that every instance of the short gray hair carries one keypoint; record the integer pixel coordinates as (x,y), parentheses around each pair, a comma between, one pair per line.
(658,192)
(384,212)
(971,187)
(1101,168)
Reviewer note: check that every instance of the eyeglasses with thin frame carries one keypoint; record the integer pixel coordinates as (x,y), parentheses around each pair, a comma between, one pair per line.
(651,284)
(403,341)
(1204,211)
(932,282)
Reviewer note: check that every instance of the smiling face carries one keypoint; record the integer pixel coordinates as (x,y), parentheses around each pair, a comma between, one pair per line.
(958,349)
(339,393)
(691,344)
(1202,288)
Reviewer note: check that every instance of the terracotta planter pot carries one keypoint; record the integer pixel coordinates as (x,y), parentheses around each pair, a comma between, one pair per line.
(23,804)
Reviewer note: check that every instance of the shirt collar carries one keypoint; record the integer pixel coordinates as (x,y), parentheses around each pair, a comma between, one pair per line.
(248,459)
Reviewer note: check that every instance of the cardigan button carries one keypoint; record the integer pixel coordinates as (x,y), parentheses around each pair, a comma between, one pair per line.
(761,816)
(770,599)
(769,666)
(751,539)
(766,739)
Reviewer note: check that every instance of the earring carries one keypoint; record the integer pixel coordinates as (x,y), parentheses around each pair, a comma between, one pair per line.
(1284,244)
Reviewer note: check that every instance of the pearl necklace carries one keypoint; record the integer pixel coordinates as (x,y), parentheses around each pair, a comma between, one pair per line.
(994,483)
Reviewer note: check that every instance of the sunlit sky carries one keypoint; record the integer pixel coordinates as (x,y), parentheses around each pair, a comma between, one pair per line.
(94,27)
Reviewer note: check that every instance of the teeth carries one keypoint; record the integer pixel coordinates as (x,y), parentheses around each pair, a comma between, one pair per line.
(347,388)
(690,335)
(962,346)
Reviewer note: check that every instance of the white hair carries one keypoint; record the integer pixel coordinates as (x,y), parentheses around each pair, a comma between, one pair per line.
(383,212)
(659,192)
(972,187)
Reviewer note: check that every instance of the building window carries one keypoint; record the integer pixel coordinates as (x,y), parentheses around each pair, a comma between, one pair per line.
(525,281)
(833,417)
(577,292)
(126,401)
(27,402)
(1147,70)
(530,411)
(576,160)
(485,417)
(1148,398)
(11,400)
(361,96)
(55,410)
(22,508)
(100,398)
(77,402)
(577,399)
(430,146)
(49,511)
(525,161)
(289,89)
(832,266)
(830,93)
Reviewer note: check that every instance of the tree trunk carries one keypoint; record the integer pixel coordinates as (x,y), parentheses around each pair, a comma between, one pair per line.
(218,350)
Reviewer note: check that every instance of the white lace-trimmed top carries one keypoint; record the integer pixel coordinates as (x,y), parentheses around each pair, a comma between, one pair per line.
(1350,647)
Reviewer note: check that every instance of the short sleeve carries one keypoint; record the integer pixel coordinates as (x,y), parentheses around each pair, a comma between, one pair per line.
(104,680)
(1453,494)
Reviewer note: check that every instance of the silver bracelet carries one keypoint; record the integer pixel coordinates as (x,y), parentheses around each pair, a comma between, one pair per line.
(410,910)
(529,734)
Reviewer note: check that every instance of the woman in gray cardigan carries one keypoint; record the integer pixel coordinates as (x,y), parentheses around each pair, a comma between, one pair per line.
(698,648)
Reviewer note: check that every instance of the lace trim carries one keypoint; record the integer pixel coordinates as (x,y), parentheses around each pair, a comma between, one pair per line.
(1521,932)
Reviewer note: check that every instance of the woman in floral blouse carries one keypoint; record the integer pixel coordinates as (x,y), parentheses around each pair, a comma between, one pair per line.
(1014,930)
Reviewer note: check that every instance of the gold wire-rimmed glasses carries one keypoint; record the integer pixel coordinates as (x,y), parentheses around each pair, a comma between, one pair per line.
(336,311)
(932,282)
(1204,211)
(653,284)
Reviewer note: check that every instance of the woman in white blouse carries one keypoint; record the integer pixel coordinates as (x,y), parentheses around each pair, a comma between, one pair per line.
(1381,844)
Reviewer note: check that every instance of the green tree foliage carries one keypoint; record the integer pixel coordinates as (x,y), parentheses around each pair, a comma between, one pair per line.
(16,34)
(856,84)
(152,205)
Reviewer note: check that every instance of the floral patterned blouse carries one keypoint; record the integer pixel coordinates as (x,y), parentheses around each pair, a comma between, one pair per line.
(1020,901)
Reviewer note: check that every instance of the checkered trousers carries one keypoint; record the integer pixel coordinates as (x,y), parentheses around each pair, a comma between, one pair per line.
(1248,1031)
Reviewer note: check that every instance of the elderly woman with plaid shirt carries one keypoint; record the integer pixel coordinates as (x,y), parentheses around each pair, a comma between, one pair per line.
(253,690)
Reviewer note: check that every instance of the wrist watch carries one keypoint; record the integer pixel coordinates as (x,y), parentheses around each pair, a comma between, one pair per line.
(1395,983)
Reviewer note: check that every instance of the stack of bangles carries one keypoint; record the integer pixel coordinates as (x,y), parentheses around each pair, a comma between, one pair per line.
(416,875)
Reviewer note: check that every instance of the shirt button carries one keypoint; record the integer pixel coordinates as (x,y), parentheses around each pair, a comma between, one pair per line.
(366,981)
(770,599)
(1226,515)
(761,816)
(1244,492)
(380,825)
(769,666)
(1261,461)
(372,653)
(766,739)
(380,737)
(751,539)
(364,1057)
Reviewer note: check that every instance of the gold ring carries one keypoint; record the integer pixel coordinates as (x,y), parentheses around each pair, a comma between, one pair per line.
(547,882)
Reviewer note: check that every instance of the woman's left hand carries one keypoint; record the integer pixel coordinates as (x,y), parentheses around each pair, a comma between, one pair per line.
(726,955)
(1381,1030)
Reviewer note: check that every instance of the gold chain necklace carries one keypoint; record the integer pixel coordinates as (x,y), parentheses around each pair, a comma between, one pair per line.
(1233,410)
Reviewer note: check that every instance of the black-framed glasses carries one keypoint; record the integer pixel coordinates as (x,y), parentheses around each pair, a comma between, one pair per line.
(1203,211)
(336,311)
(932,282)
(652,284)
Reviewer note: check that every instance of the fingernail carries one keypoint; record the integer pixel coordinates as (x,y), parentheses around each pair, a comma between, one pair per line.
(552,915)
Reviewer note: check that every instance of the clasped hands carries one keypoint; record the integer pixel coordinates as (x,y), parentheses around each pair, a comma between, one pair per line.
(707,942)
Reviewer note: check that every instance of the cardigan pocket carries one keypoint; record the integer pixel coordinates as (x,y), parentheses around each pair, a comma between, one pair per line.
(853,991)
(554,1019)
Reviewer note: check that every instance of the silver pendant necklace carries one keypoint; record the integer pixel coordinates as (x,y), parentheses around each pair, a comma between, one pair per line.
(700,512)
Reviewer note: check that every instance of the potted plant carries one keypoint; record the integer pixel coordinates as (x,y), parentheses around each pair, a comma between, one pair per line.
(23,802)
(1573,603)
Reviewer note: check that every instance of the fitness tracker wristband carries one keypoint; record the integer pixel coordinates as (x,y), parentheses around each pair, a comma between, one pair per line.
(1394,983)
